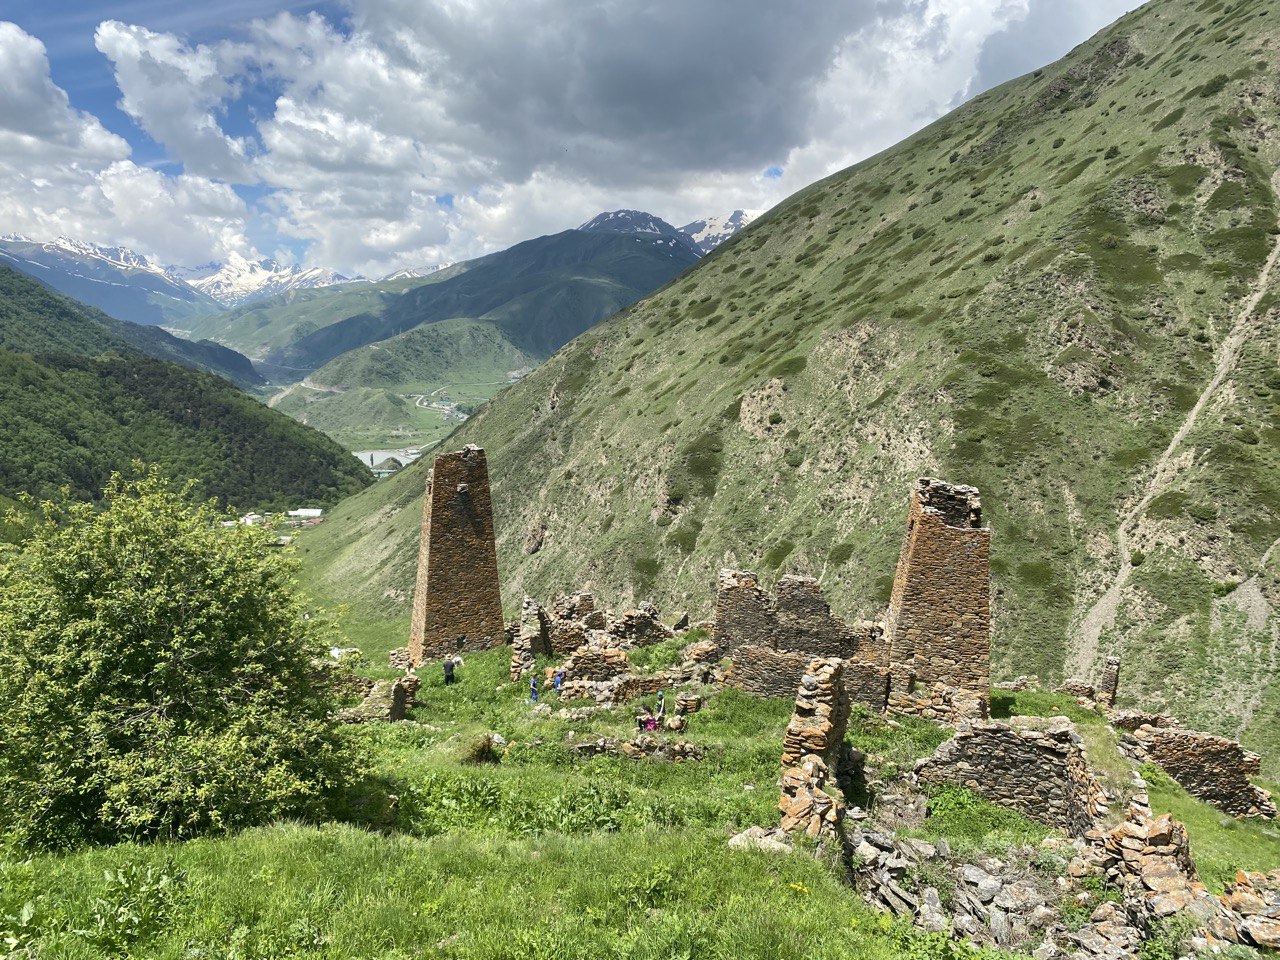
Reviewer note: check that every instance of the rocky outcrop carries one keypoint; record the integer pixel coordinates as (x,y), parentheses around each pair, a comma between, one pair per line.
(387,701)
(1210,767)
(1038,768)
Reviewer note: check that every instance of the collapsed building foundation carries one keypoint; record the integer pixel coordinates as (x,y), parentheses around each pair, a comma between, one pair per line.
(771,640)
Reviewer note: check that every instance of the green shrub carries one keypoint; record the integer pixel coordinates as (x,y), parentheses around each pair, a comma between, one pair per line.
(156,676)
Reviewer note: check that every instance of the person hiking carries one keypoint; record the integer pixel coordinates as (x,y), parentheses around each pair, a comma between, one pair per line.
(559,680)
(533,689)
(662,707)
(448,670)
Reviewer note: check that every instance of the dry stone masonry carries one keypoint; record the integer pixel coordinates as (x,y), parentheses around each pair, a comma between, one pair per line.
(1110,684)
(821,717)
(1037,768)
(939,621)
(457,604)
(772,640)
(1210,767)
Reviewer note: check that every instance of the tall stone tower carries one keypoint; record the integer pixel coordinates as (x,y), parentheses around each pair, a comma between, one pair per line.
(939,622)
(457,604)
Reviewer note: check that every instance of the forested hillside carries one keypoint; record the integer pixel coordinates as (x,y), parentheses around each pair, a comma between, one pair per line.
(34,319)
(1061,293)
(82,395)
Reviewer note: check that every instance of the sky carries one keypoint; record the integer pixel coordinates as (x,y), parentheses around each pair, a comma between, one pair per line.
(368,136)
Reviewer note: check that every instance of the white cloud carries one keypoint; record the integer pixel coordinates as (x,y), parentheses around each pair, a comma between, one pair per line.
(419,132)
(64,173)
(174,91)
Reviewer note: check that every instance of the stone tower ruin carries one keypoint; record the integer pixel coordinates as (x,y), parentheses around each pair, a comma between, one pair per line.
(457,604)
(939,621)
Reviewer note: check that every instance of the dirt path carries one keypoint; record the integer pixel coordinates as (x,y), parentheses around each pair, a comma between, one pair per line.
(1084,648)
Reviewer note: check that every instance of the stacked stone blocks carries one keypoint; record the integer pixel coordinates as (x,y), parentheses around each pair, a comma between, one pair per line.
(457,603)
(939,621)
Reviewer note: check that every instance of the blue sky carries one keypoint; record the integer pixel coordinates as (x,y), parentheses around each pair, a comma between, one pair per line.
(372,135)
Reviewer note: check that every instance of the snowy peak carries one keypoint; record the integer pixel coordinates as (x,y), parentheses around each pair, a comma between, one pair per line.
(240,281)
(413,273)
(638,222)
(710,233)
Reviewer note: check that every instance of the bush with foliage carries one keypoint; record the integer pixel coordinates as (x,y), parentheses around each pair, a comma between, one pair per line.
(156,675)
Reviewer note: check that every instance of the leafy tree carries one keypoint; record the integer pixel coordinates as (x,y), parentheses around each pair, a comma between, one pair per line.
(156,675)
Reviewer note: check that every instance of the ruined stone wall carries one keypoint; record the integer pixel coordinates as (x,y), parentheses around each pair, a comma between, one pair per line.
(821,717)
(531,640)
(744,613)
(1041,772)
(457,603)
(593,663)
(766,672)
(1110,684)
(939,622)
(1212,768)
(804,622)
(867,683)
(640,627)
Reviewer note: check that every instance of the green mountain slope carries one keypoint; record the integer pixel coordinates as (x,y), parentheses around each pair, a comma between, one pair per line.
(1038,294)
(540,294)
(82,395)
(462,350)
(35,319)
(266,325)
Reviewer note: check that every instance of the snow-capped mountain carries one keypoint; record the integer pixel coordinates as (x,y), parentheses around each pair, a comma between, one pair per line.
(118,281)
(240,281)
(710,233)
(413,273)
(637,221)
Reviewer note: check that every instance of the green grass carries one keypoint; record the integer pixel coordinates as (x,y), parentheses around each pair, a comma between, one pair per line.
(539,854)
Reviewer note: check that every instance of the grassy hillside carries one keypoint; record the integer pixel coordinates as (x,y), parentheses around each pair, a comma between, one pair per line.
(37,320)
(540,294)
(393,393)
(1038,294)
(612,857)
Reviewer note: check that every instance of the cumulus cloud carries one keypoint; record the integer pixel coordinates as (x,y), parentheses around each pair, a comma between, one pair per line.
(64,173)
(417,132)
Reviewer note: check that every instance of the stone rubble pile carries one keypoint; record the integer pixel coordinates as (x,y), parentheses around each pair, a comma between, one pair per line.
(1250,911)
(805,806)
(992,902)
(387,700)
(639,747)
